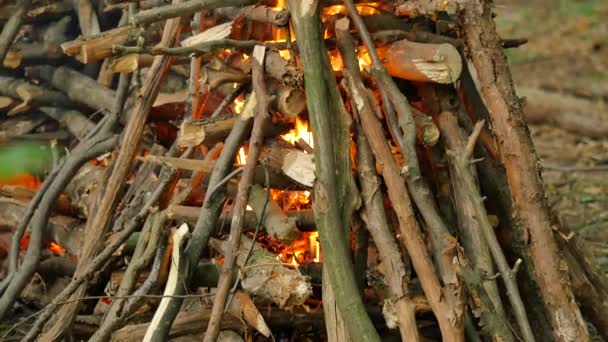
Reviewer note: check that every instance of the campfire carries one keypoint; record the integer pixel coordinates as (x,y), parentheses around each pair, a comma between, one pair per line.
(263,170)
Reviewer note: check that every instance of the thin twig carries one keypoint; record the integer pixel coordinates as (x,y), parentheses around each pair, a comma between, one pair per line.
(197,49)
(258,226)
(508,274)
(10,29)
(229,99)
(236,227)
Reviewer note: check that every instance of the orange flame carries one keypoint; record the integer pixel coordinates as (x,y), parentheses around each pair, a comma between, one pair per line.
(25,180)
(300,131)
(241,159)
(56,248)
(303,251)
(368,8)
(239,104)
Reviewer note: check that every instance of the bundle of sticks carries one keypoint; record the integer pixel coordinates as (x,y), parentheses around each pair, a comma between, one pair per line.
(358,166)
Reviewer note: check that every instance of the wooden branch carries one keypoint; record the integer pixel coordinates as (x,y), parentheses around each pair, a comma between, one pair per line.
(83,188)
(93,147)
(439,63)
(376,222)
(303,219)
(180,163)
(330,124)
(11,28)
(41,12)
(197,49)
(97,225)
(147,245)
(87,18)
(74,121)
(410,235)
(285,159)
(195,323)
(210,211)
(173,282)
(166,177)
(236,227)
(32,95)
(64,230)
(77,86)
(478,234)
(444,246)
(218,128)
(283,70)
(521,164)
(97,47)
(184,8)
(287,100)
(277,224)
(589,285)
(265,14)
(266,277)
(426,130)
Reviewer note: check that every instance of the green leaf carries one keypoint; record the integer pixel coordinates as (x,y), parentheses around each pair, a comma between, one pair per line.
(22,158)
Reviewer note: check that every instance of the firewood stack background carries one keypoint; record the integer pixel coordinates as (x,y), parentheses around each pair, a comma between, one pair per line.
(276,170)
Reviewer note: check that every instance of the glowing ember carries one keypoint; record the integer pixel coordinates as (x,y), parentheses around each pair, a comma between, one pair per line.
(239,104)
(369,8)
(303,251)
(285,54)
(241,158)
(291,200)
(313,242)
(25,180)
(55,248)
(301,131)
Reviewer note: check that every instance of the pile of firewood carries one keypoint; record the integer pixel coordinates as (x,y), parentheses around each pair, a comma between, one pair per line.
(267,170)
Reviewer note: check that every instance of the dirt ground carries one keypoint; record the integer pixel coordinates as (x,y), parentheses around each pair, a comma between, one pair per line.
(567,49)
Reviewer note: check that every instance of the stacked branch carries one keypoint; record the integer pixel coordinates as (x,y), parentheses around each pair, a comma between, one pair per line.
(236,165)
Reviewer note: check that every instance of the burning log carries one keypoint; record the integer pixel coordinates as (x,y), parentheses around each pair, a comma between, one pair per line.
(264,276)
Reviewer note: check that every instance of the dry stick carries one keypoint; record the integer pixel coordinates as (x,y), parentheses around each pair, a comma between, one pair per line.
(410,235)
(184,8)
(100,260)
(442,241)
(462,160)
(228,99)
(376,222)
(333,194)
(195,50)
(180,236)
(207,218)
(10,29)
(521,164)
(193,99)
(91,148)
(143,255)
(129,144)
(444,246)
(374,213)
(13,256)
(240,205)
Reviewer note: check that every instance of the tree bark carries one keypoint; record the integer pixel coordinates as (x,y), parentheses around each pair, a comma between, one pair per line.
(521,165)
